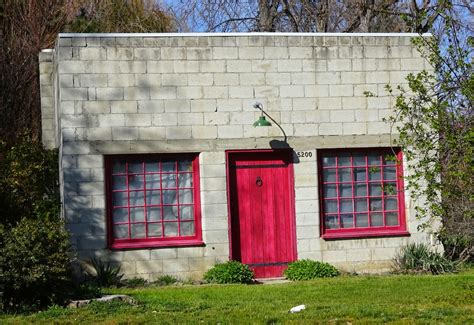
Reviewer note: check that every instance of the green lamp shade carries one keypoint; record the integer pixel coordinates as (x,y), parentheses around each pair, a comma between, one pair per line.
(262,121)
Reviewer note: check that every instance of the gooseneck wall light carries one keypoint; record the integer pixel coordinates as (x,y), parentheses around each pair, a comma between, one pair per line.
(262,121)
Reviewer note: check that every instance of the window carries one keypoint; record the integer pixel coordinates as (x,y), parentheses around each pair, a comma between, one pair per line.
(361,193)
(153,200)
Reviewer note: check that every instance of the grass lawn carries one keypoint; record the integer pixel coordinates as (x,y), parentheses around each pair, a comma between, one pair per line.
(357,299)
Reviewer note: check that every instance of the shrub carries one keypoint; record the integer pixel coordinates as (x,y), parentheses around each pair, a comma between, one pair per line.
(229,272)
(135,283)
(165,280)
(34,265)
(308,269)
(419,258)
(105,274)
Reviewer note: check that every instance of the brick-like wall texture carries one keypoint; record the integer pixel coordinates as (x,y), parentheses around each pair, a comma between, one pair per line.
(175,93)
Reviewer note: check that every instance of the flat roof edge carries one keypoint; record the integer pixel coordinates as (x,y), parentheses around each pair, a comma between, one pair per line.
(73,35)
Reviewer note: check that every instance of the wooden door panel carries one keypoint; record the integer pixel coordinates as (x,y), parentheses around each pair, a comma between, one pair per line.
(262,215)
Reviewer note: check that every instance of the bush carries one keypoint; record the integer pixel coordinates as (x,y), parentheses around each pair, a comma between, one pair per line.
(308,270)
(165,280)
(135,283)
(105,274)
(229,272)
(418,258)
(34,265)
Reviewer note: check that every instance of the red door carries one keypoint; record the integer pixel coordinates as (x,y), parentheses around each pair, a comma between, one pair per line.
(261,196)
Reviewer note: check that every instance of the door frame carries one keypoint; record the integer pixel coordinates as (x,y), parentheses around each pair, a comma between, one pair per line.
(292,211)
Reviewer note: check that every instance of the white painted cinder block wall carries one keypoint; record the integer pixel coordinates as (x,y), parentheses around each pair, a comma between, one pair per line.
(160,93)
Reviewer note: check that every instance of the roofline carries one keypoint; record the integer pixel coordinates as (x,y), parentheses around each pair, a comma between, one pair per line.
(74,35)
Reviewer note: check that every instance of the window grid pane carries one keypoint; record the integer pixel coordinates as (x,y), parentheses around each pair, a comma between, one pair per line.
(148,199)
(360,189)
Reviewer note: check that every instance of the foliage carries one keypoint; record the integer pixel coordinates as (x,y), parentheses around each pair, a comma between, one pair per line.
(114,16)
(418,258)
(165,280)
(29,186)
(134,283)
(308,270)
(395,299)
(434,119)
(229,272)
(35,264)
(105,274)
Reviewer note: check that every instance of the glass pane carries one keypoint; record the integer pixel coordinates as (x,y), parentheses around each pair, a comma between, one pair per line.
(137,230)
(347,221)
(345,190)
(346,205)
(153,197)
(186,212)
(330,206)
(170,213)
(329,175)
(375,204)
(168,166)
(119,183)
(120,199)
(389,173)
(360,189)
(376,219)
(390,188)
(330,222)
(358,159)
(120,215)
(120,231)
(137,198)
(137,214)
(187,228)
(169,197)
(152,180)
(391,203)
(153,214)
(152,167)
(185,166)
(185,180)
(362,220)
(344,159)
(361,205)
(345,175)
(373,159)
(135,167)
(171,229)
(360,174)
(329,191)
(185,196)
(154,230)
(118,167)
(135,182)
(375,189)
(389,159)
(374,173)
(329,161)
(391,219)
(168,180)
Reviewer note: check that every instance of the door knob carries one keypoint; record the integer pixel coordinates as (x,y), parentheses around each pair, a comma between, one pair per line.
(259,181)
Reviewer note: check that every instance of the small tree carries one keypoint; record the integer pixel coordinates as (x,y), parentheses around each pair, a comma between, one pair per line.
(435,125)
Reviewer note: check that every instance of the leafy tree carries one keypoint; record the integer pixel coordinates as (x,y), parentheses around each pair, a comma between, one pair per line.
(435,125)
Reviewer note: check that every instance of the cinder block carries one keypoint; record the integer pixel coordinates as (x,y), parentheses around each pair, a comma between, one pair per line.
(276,52)
(134,93)
(329,103)
(354,128)
(341,91)
(372,52)
(216,92)
(117,53)
(174,79)
(246,53)
(352,78)
(65,67)
(186,66)
(334,256)
(94,134)
(306,129)
(290,65)
(145,54)
(339,65)
(74,94)
(252,78)
(92,53)
(330,128)
(177,133)
(328,78)
(212,66)
(93,80)
(165,119)
(120,80)
(138,119)
(73,121)
(222,53)
(304,104)
(110,93)
(132,66)
(241,92)
(301,52)
(278,78)
(354,103)
(173,106)
(190,119)
(159,66)
(194,92)
(239,65)
(202,79)
(292,91)
(152,133)
(364,65)
(377,77)
(229,131)
(303,78)
(173,53)
(124,133)
(204,132)
(123,107)
(65,80)
(198,53)
(176,265)
(316,91)
(150,106)
(203,105)
(378,102)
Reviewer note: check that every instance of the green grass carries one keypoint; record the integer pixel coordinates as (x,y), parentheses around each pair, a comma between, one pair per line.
(398,299)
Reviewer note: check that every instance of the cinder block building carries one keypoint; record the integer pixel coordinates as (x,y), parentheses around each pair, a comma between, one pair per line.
(163,171)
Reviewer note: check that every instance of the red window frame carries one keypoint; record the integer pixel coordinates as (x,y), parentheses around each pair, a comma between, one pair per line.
(159,240)
(369,200)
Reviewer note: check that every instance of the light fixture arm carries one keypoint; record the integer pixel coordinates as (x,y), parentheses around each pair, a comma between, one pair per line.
(259,106)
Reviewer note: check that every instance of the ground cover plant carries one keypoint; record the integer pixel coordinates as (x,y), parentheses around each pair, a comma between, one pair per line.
(229,272)
(308,270)
(398,299)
